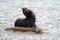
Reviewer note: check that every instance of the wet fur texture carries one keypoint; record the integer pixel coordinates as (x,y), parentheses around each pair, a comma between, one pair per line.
(29,21)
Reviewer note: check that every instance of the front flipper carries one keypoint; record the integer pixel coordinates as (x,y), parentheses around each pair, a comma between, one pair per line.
(35,28)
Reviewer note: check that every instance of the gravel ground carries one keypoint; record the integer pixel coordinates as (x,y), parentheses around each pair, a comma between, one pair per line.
(47,15)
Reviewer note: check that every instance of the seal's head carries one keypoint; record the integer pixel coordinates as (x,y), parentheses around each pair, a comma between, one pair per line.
(28,13)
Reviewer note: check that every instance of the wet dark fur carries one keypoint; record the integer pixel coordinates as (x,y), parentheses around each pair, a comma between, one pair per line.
(29,21)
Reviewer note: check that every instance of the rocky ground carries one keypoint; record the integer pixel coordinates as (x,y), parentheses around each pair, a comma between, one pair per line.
(47,15)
